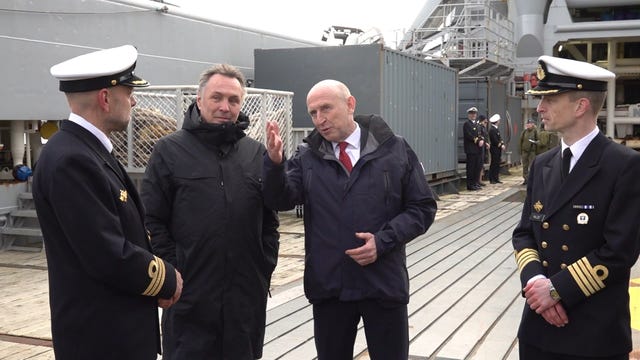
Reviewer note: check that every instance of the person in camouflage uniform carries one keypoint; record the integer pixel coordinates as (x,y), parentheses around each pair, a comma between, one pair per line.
(528,147)
(547,140)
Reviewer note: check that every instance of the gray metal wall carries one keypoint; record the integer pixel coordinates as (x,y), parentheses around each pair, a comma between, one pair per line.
(419,98)
(416,97)
(490,97)
(174,49)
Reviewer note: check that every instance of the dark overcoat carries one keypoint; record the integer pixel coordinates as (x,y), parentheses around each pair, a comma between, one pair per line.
(471,137)
(103,279)
(386,194)
(584,235)
(206,214)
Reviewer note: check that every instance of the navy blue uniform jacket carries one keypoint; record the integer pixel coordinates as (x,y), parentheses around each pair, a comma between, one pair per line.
(583,234)
(103,279)
(386,194)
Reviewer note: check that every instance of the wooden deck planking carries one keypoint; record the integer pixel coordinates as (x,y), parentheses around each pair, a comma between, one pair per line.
(466,261)
(457,271)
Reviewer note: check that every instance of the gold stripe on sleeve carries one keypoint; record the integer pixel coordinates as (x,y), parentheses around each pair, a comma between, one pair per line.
(589,278)
(583,271)
(525,256)
(578,281)
(157,273)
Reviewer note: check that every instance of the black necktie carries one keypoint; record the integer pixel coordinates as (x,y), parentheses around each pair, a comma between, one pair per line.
(566,162)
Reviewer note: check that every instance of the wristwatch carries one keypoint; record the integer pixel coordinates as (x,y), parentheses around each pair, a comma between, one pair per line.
(553,292)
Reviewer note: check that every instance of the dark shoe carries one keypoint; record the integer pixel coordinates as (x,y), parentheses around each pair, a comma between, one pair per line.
(482,184)
(524,182)
(498,181)
(473,188)
(493,182)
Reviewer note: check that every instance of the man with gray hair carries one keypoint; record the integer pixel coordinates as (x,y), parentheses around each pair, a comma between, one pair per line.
(203,194)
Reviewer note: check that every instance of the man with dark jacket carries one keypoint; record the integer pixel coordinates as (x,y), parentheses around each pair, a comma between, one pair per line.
(497,146)
(578,236)
(528,147)
(483,131)
(365,196)
(473,145)
(105,284)
(203,195)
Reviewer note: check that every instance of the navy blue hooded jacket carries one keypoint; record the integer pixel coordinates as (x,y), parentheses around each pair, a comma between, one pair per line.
(386,194)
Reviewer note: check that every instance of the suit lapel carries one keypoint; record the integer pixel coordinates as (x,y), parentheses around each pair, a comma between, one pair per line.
(96,146)
(551,180)
(582,172)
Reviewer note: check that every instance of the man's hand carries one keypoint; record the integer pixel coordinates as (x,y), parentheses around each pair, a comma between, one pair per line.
(556,315)
(537,294)
(274,142)
(367,253)
(480,143)
(166,303)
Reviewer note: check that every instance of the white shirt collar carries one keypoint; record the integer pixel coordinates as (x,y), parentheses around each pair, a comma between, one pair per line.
(92,129)
(353,140)
(578,148)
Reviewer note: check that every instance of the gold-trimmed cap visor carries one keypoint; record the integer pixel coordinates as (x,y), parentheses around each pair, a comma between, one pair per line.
(126,78)
(557,75)
(99,69)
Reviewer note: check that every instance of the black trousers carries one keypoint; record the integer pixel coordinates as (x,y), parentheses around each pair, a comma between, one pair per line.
(530,352)
(473,169)
(386,328)
(494,167)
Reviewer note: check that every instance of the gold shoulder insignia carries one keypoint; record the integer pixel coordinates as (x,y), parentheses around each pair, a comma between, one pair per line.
(123,196)
(538,206)
(156,272)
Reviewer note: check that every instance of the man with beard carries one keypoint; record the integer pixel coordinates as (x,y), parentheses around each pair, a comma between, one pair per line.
(203,194)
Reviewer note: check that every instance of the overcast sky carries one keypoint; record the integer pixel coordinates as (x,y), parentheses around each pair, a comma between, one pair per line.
(308,19)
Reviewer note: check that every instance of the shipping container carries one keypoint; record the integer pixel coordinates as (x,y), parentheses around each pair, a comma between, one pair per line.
(416,97)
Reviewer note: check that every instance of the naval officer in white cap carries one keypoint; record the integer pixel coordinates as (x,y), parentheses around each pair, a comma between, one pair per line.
(497,146)
(473,144)
(105,283)
(578,236)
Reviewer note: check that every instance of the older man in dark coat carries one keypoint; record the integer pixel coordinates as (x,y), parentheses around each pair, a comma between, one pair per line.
(203,194)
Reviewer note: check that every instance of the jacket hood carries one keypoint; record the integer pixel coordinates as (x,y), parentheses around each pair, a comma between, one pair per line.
(214,134)
(193,120)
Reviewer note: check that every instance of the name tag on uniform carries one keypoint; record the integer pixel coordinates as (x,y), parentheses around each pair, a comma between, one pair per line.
(537,217)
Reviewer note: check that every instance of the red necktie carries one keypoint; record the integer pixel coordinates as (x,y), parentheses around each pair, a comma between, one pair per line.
(344,158)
